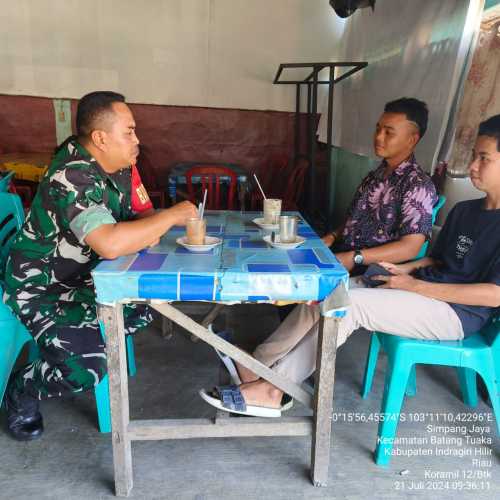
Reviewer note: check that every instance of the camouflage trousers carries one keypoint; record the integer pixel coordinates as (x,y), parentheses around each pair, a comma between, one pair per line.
(71,347)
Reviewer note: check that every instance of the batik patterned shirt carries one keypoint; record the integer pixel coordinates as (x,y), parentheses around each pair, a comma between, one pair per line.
(384,210)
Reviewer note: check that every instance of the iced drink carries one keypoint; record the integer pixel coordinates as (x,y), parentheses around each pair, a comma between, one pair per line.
(288,229)
(272,210)
(195,231)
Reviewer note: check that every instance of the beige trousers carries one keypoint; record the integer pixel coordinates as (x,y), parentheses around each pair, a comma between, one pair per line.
(291,349)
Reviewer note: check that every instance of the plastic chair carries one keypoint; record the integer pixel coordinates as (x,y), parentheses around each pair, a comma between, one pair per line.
(435,211)
(210,176)
(476,354)
(404,354)
(14,334)
(275,168)
(5,180)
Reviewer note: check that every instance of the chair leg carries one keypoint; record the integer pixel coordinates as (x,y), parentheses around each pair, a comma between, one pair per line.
(468,385)
(101,392)
(491,383)
(132,369)
(411,388)
(371,365)
(396,381)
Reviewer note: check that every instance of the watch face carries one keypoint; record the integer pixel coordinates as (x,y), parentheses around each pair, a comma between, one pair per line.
(358,259)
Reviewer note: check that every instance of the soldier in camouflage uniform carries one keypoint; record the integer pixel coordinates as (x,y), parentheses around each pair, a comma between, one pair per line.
(77,217)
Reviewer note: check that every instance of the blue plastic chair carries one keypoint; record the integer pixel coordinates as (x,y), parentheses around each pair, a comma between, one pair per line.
(479,353)
(14,335)
(435,211)
(371,355)
(476,354)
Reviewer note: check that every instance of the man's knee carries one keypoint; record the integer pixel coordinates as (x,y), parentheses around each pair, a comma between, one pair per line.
(84,373)
(76,354)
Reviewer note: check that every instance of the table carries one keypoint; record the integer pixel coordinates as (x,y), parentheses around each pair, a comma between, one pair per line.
(242,269)
(177,175)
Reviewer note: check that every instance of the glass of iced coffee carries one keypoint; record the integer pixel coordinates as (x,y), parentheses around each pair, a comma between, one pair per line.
(272,210)
(196,229)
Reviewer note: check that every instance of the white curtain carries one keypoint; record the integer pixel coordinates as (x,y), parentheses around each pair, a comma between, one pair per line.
(414,49)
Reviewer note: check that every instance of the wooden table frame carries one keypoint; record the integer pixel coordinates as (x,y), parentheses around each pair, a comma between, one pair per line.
(125,431)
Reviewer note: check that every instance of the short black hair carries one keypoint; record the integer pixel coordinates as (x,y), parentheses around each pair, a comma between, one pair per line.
(416,111)
(91,108)
(491,128)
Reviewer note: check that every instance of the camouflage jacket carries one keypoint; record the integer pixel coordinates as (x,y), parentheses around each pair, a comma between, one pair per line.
(49,261)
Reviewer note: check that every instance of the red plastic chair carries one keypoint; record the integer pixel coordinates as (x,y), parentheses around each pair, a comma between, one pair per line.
(274,169)
(210,180)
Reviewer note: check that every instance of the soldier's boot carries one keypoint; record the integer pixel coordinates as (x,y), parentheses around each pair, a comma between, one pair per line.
(24,420)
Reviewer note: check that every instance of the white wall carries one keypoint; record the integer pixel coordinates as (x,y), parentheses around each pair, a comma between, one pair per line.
(216,53)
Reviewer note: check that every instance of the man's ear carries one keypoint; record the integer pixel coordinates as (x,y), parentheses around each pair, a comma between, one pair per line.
(414,138)
(99,139)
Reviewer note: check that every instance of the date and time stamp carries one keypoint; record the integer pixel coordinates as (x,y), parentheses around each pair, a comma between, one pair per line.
(467,436)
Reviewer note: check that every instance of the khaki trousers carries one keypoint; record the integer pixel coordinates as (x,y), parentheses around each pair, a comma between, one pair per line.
(291,349)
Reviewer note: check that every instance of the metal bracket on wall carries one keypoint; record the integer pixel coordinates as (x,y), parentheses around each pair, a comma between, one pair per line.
(312,83)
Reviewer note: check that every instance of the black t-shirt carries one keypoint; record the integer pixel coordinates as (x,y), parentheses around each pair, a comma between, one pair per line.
(468,248)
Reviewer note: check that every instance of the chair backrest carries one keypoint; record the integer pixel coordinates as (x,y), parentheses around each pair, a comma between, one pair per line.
(11,220)
(274,169)
(435,211)
(13,334)
(210,177)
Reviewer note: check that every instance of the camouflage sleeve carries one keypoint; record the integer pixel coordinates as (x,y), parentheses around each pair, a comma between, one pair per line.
(88,220)
(80,204)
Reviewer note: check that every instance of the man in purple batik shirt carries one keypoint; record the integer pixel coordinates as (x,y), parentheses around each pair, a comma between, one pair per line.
(390,216)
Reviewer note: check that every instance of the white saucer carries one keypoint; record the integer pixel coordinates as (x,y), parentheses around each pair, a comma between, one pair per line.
(284,246)
(210,242)
(260,222)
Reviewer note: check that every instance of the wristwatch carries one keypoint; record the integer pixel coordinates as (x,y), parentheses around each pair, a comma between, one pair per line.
(358,257)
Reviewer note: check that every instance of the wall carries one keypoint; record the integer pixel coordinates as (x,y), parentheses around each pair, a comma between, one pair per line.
(171,134)
(413,49)
(192,66)
(212,53)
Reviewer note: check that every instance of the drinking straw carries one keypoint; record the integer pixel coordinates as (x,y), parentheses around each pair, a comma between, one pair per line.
(260,187)
(199,209)
(203,206)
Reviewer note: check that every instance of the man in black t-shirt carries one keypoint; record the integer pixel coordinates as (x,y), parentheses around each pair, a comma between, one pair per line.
(446,296)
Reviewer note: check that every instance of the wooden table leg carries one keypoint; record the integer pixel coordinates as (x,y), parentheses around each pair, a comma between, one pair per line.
(112,318)
(323,400)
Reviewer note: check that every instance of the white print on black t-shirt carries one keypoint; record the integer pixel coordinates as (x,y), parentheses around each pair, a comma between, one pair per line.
(464,244)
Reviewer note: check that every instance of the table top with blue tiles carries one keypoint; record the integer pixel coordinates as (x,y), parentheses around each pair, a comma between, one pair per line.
(244,268)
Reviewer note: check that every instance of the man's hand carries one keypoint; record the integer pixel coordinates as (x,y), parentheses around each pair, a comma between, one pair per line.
(393,268)
(328,239)
(399,282)
(346,259)
(182,212)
